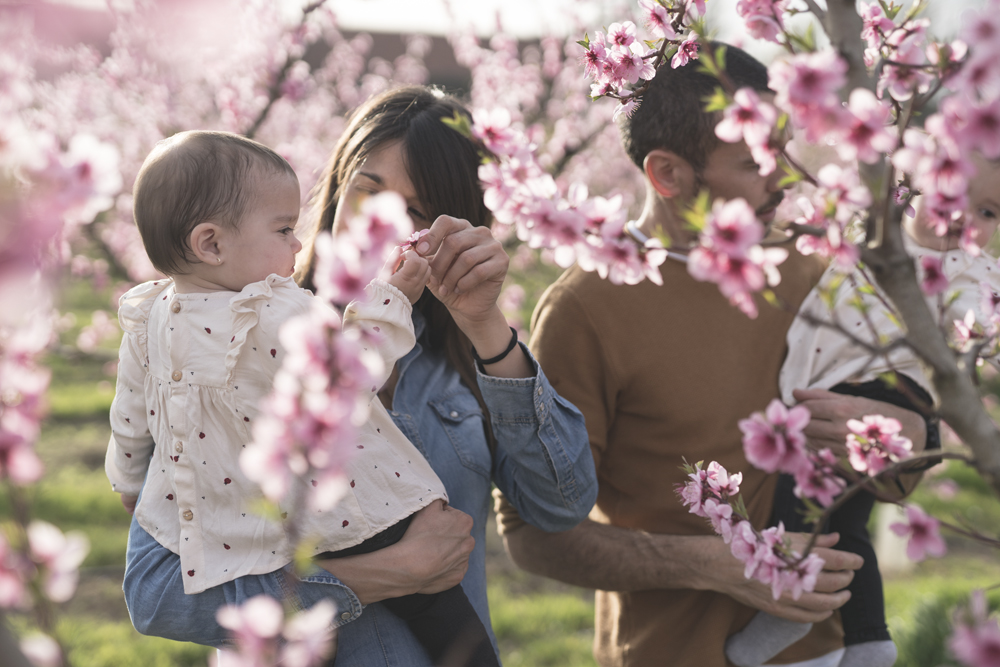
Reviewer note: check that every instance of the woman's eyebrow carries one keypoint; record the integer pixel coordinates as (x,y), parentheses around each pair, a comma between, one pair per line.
(370,176)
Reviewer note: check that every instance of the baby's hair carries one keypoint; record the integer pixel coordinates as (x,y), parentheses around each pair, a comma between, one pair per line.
(193,177)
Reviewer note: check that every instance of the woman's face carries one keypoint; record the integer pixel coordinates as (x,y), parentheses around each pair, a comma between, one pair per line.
(384,170)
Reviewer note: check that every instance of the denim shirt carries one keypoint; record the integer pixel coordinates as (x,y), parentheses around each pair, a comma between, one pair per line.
(542,463)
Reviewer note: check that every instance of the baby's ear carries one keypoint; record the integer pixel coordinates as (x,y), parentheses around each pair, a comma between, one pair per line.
(204,243)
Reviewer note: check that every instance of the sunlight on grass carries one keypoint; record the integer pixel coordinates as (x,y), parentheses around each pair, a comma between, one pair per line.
(551,629)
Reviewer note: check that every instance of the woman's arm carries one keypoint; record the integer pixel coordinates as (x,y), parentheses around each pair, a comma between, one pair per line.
(542,462)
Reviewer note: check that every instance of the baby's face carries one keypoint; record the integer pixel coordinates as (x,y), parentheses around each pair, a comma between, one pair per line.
(984,199)
(265,242)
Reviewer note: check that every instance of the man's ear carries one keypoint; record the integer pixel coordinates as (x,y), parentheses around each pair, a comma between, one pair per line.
(204,243)
(667,172)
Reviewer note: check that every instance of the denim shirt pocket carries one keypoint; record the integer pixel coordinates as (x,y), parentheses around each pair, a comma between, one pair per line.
(462,420)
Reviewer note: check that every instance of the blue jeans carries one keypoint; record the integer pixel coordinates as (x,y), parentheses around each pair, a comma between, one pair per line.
(157,605)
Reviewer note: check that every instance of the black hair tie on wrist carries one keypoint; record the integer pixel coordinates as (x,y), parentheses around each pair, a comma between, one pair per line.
(500,357)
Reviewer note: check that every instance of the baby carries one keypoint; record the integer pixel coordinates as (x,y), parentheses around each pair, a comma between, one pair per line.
(217,215)
(823,358)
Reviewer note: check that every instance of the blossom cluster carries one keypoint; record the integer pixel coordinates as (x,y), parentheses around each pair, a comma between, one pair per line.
(264,637)
(976,641)
(617,60)
(329,374)
(774,441)
(729,254)
(587,230)
(713,493)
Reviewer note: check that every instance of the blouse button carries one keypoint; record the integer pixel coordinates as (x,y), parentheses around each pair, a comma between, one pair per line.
(346,616)
(453,414)
(177,375)
(176,307)
(188,515)
(539,391)
(178,447)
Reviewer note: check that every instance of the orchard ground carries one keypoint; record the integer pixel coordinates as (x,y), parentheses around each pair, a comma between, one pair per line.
(538,622)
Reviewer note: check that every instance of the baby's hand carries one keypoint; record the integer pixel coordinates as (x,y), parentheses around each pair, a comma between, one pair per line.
(128,502)
(409,273)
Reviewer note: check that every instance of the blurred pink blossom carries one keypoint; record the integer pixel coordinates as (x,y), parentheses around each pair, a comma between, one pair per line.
(976,640)
(923,533)
(773,440)
(874,442)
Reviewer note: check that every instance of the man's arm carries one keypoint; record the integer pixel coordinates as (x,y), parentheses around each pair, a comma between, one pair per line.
(605,557)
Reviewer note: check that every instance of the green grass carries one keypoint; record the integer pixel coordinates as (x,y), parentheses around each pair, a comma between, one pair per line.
(542,629)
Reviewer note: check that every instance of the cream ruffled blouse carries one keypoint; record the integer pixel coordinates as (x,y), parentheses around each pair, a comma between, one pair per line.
(192,371)
(820,357)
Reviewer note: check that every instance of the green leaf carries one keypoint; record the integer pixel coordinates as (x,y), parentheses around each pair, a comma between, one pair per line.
(460,123)
(652,43)
(663,237)
(889,378)
(585,42)
(791,178)
(695,215)
(717,101)
(771,297)
(867,289)
(304,552)
(720,57)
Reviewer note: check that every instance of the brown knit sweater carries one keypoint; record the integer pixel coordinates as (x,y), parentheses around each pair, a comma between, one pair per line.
(662,374)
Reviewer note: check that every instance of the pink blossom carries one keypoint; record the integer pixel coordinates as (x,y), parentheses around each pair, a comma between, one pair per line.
(976,641)
(934,280)
(801,578)
(747,119)
(967,332)
(308,636)
(773,440)
(876,23)
(686,52)
(732,227)
(621,35)
(657,19)
(721,482)
(819,479)
(923,533)
(42,650)
(58,556)
(594,58)
(764,18)
(807,83)
(989,300)
(627,106)
(631,65)
(867,136)
(874,442)
(721,516)
(255,626)
(492,127)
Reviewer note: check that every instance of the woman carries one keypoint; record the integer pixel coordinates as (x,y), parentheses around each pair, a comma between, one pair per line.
(473,401)
(503,424)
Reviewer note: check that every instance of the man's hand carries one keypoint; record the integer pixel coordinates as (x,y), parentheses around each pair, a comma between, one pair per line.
(830,412)
(128,502)
(726,576)
(432,556)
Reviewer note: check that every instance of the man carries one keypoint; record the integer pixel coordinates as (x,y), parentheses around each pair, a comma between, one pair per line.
(663,374)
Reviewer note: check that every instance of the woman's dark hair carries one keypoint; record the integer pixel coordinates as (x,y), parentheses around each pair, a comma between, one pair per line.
(672,114)
(443,166)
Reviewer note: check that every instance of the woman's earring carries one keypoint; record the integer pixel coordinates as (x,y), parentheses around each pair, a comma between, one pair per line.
(219,259)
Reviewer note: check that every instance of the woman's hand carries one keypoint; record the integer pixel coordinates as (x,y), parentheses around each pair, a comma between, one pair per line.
(468,267)
(432,556)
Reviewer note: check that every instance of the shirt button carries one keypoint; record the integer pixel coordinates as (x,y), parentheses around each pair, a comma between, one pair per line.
(346,616)
(178,447)
(177,375)
(176,307)
(539,391)
(453,414)
(188,515)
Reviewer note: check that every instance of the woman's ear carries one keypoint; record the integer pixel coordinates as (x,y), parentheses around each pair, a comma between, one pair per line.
(667,172)
(204,243)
